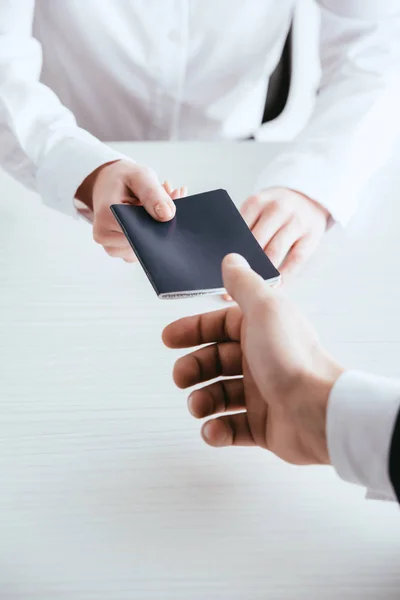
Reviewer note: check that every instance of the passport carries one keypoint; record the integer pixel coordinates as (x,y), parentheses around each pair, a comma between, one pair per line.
(183,257)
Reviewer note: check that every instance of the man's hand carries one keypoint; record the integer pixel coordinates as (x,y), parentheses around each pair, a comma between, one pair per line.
(124,182)
(287,224)
(280,401)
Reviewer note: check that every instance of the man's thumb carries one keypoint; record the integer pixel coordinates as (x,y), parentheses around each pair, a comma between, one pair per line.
(241,282)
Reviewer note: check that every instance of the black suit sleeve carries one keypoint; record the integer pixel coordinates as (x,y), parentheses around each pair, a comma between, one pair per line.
(394,458)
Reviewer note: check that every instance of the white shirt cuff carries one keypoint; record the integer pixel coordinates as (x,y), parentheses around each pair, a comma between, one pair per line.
(362,412)
(65,168)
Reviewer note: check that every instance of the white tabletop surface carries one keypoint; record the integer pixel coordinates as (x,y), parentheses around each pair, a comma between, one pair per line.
(106,490)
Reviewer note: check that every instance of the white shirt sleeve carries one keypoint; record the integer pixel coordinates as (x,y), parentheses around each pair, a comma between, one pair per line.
(362,413)
(355,122)
(40,142)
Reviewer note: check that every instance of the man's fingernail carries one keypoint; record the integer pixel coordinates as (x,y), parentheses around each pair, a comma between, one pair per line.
(163,211)
(207,432)
(220,436)
(190,404)
(235,260)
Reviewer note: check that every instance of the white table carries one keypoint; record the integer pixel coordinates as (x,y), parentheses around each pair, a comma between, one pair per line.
(107,491)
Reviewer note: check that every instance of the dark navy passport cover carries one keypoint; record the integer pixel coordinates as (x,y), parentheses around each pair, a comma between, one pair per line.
(183,257)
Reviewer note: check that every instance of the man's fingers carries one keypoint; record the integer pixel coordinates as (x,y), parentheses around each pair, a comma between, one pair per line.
(241,282)
(218,326)
(208,363)
(229,430)
(223,396)
(281,242)
(145,186)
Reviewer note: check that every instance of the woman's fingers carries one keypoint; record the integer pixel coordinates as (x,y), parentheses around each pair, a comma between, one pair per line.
(282,242)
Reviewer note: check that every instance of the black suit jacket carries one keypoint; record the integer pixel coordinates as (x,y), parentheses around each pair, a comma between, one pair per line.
(394,458)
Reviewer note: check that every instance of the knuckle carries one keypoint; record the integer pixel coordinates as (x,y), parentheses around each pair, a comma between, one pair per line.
(151,173)
(138,175)
(255,201)
(147,172)
(297,256)
(275,205)
(126,166)
(150,197)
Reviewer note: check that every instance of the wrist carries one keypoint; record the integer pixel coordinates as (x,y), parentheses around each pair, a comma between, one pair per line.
(311,403)
(85,191)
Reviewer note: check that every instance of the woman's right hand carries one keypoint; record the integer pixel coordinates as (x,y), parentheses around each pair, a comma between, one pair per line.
(124,182)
